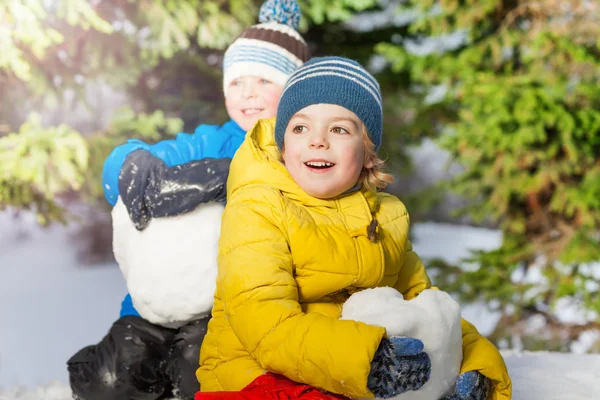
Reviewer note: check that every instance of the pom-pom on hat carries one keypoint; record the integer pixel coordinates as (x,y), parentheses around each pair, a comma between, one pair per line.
(272,49)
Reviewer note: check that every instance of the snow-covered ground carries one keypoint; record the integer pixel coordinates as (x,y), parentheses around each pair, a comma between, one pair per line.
(535,376)
(50,307)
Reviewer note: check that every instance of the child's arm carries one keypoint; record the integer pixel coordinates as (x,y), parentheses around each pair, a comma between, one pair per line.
(479,354)
(149,189)
(259,293)
(206,142)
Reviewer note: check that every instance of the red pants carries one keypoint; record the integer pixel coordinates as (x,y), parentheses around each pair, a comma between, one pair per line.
(272,387)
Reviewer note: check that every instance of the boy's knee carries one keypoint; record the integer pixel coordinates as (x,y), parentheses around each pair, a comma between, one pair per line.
(133,329)
(124,365)
(184,358)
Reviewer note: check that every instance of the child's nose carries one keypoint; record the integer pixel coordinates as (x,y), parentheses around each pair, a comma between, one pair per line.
(319,141)
(249,90)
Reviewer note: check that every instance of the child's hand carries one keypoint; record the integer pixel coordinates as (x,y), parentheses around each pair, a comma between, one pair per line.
(470,386)
(399,365)
(149,189)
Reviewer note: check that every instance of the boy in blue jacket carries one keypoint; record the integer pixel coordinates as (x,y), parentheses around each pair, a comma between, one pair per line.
(140,359)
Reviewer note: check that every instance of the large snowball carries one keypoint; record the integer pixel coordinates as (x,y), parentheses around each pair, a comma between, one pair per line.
(433,317)
(171,266)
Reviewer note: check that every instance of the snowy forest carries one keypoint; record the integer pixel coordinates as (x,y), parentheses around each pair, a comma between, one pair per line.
(506,94)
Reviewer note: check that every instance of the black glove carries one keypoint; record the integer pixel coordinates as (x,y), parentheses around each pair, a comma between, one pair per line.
(399,365)
(149,189)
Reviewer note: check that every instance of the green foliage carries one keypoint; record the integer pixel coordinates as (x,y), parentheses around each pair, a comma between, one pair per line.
(521,117)
(25,33)
(186,86)
(177,24)
(38,164)
(334,10)
(125,125)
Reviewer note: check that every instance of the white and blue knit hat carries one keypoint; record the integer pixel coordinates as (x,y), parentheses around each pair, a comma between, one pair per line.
(272,49)
(332,80)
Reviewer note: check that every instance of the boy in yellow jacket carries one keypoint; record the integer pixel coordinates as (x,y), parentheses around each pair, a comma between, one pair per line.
(304,228)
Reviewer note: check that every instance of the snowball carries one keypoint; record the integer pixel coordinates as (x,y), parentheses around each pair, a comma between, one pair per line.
(433,317)
(171,266)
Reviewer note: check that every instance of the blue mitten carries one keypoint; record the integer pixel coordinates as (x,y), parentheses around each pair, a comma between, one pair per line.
(470,386)
(399,365)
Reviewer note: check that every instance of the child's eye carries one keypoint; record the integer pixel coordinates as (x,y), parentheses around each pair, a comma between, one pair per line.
(265,81)
(299,129)
(339,129)
(235,83)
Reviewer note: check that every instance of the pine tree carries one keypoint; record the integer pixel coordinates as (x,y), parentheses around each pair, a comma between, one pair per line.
(521,82)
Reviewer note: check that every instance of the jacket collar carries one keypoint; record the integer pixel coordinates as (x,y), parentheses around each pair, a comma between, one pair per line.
(232,128)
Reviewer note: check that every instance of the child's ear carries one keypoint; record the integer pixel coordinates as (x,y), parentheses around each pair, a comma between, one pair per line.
(369,164)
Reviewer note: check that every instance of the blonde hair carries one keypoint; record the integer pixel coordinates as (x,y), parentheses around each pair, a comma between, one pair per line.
(373,178)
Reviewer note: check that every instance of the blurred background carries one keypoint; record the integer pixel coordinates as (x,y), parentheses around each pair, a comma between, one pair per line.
(492,128)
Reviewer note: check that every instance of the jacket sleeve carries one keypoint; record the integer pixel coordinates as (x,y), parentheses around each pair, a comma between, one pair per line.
(259,293)
(479,354)
(205,142)
(413,278)
(127,307)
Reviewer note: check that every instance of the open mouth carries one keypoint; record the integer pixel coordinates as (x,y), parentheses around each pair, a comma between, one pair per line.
(251,111)
(319,165)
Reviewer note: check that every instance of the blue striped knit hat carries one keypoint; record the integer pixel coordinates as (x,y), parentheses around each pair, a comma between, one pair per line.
(332,80)
(272,49)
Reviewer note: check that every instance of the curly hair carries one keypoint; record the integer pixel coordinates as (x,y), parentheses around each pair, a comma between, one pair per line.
(373,178)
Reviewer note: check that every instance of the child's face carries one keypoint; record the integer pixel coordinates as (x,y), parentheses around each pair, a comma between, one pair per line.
(250,98)
(324,149)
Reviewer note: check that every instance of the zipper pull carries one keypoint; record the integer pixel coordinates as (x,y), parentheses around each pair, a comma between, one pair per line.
(373,231)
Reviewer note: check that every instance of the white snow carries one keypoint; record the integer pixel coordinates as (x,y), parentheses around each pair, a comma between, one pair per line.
(50,307)
(535,376)
(52,391)
(433,317)
(554,376)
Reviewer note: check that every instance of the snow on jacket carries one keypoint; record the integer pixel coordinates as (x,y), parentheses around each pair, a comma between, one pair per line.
(288,262)
(207,141)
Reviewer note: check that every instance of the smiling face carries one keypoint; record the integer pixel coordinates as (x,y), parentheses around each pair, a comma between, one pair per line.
(250,98)
(323,149)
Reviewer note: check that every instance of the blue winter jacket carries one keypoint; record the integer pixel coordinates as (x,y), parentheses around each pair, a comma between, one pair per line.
(212,141)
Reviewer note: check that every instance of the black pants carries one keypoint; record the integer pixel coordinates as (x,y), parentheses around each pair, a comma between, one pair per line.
(138,360)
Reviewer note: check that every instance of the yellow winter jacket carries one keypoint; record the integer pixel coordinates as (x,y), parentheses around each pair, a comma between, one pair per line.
(288,261)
